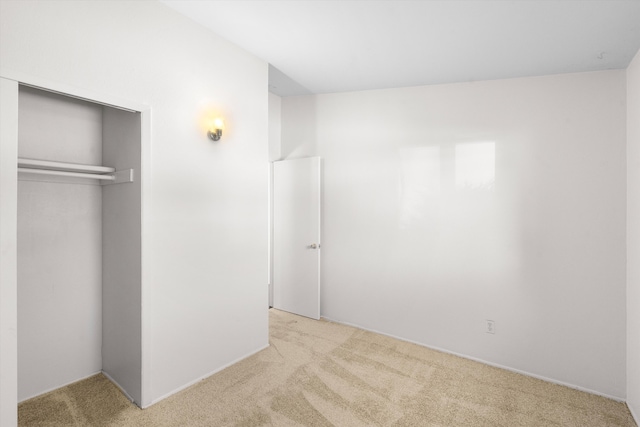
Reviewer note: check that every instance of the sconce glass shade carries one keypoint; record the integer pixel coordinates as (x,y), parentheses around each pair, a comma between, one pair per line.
(218,123)
(215,133)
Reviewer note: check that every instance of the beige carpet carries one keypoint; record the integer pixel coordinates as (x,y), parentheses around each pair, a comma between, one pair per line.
(325,374)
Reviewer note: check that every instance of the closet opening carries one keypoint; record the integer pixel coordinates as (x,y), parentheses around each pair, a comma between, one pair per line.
(79,234)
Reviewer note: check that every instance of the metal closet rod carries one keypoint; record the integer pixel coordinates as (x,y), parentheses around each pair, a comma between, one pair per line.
(67,173)
(48,167)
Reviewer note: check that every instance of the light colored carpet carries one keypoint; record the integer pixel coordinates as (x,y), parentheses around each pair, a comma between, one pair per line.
(326,374)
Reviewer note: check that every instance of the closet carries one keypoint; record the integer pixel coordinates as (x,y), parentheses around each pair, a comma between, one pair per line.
(78,243)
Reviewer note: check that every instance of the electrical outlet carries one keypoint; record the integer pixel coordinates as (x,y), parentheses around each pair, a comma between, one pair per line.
(491,327)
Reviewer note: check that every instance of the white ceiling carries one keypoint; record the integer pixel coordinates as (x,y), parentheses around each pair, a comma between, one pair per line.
(336,46)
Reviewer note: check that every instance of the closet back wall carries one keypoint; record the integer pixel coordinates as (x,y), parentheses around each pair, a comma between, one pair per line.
(59,246)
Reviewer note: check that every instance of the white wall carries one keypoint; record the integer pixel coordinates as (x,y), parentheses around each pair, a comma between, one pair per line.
(59,246)
(275,126)
(299,136)
(205,239)
(633,237)
(448,205)
(275,138)
(122,254)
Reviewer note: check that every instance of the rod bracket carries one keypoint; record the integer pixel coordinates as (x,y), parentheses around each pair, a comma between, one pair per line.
(121,177)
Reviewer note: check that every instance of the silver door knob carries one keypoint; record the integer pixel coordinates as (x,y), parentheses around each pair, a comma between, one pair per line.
(313,246)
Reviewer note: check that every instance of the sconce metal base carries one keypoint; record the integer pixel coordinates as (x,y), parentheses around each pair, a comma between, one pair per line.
(215,135)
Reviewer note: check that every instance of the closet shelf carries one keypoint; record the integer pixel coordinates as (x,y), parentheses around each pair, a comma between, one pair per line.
(103,173)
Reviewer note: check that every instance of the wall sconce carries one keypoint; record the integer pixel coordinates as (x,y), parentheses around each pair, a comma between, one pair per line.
(215,131)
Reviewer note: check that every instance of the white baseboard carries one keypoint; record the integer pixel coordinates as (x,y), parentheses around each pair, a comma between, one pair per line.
(475,359)
(634,415)
(189,384)
(59,386)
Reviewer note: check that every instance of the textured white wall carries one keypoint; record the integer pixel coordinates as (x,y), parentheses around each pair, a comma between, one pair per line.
(275,126)
(205,239)
(633,237)
(448,205)
(59,246)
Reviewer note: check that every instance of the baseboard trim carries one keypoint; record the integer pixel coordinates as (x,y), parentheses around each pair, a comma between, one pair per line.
(60,386)
(475,359)
(110,378)
(633,414)
(204,377)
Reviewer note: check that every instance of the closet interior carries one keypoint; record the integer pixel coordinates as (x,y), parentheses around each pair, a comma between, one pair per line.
(79,243)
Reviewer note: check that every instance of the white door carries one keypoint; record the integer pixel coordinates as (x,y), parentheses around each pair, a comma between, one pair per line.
(296,236)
